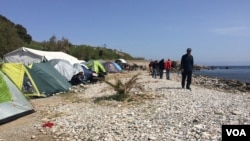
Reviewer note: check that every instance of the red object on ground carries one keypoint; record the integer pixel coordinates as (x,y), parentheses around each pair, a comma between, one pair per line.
(48,124)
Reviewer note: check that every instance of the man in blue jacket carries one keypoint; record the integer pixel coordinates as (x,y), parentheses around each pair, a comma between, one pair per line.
(187,63)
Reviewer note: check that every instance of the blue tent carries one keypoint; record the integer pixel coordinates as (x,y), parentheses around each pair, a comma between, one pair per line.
(117,66)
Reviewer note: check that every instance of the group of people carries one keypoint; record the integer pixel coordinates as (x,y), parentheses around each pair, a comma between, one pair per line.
(187,63)
(159,67)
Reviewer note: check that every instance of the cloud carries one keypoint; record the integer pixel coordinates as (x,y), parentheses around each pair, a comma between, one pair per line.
(236,30)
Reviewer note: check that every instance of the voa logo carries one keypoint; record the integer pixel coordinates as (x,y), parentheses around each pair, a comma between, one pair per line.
(236,132)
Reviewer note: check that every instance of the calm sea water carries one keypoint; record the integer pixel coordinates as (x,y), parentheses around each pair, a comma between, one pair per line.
(241,73)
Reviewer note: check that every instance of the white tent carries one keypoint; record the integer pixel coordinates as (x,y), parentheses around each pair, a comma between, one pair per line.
(65,68)
(122,61)
(29,56)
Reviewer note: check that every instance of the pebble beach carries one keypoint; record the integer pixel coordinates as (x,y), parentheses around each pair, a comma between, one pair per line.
(164,112)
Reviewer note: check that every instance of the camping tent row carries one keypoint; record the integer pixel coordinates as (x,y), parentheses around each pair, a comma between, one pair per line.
(65,64)
(28,56)
(40,79)
(13,104)
(45,79)
(68,71)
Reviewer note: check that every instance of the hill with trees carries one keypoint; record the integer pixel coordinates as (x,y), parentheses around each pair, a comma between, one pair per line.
(13,36)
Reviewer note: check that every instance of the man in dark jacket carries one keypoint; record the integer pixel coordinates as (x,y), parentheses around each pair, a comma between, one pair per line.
(154,69)
(161,68)
(187,63)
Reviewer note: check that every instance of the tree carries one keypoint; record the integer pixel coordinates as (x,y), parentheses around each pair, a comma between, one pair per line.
(100,53)
(9,39)
(22,32)
(57,45)
(63,45)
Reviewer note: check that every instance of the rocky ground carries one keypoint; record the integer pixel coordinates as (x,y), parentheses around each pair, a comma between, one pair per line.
(161,111)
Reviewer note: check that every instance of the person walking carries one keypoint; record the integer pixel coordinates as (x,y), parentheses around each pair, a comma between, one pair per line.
(187,63)
(168,65)
(161,68)
(154,69)
(150,67)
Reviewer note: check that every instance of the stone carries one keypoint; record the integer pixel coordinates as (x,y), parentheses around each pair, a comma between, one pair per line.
(33,137)
(236,112)
(151,137)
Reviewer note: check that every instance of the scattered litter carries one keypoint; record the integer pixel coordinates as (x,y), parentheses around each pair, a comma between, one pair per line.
(48,124)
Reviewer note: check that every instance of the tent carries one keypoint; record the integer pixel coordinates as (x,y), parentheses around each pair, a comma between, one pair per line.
(121,62)
(21,77)
(65,68)
(29,56)
(81,61)
(49,80)
(13,104)
(89,74)
(96,66)
(40,80)
(117,66)
(78,67)
(111,67)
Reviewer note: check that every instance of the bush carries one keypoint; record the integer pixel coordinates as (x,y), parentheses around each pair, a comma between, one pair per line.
(123,89)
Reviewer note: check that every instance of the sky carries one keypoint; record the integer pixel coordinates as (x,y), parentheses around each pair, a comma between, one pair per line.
(218,31)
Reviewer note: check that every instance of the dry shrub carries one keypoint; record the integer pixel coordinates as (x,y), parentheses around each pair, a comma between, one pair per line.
(122,89)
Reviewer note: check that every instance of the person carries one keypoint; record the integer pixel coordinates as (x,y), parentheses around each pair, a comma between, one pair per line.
(168,65)
(154,69)
(187,63)
(27,85)
(78,79)
(150,66)
(161,68)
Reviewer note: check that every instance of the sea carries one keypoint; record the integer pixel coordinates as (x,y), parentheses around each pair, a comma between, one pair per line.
(240,73)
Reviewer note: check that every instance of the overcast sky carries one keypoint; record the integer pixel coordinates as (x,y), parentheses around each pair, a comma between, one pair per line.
(218,31)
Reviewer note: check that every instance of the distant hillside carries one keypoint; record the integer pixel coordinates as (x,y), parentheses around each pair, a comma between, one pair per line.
(82,52)
(13,36)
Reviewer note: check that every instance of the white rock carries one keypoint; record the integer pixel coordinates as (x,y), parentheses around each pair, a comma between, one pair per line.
(33,137)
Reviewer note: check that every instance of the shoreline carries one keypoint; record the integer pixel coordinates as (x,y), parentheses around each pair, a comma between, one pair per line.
(229,85)
(237,74)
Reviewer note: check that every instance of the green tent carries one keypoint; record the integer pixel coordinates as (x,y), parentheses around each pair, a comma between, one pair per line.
(5,92)
(21,77)
(40,80)
(96,66)
(48,79)
(13,104)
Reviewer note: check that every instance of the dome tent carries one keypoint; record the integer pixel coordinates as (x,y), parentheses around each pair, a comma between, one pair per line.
(40,80)
(13,104)
(111,67)
(65,68)
(96,66)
